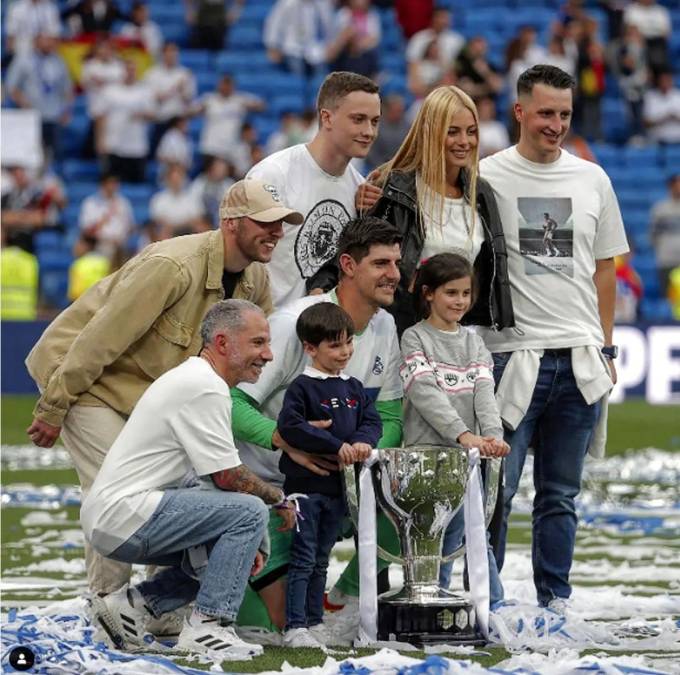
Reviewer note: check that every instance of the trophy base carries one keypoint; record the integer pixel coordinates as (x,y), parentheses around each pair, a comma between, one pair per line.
(444,620)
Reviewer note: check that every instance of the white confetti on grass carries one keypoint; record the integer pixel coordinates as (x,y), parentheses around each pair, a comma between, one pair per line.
(626,582)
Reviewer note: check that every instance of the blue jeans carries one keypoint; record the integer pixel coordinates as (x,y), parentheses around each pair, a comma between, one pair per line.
(309,558)
(453,538)
(227,526)
(558,425)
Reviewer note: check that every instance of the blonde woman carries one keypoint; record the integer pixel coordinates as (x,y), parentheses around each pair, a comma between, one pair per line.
(432,192)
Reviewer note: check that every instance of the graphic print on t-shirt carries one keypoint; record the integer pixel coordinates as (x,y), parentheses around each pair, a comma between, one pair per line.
(546,234)
(317,238)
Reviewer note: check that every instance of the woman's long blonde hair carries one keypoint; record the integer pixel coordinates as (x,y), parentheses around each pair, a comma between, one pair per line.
(422,150)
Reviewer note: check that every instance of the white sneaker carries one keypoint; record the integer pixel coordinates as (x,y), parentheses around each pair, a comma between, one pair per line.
(205,635)
(320,633)
(259,635)
(342,626)
(123,620)
(300,637)
(169,625)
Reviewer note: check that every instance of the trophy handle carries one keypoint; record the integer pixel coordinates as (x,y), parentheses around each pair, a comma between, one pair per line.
(492,481)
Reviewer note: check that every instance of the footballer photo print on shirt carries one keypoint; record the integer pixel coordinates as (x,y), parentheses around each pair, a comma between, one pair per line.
(546,234)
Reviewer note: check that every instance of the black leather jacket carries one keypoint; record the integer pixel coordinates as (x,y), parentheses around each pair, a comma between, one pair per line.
(398,205)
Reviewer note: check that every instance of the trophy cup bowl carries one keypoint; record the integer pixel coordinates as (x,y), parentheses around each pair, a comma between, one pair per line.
(420,489)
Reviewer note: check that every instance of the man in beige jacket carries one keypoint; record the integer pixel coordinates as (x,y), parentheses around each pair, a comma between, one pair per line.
(96,359)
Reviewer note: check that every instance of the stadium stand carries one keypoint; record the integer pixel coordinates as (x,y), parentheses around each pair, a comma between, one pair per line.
(638,174)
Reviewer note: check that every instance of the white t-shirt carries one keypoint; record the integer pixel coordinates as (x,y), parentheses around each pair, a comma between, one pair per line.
(96,76)
(149,34)
(176,86)
(180,426)
(449,44)
(125,108)
(659,106)
(118,225)
(375,363)
(652,21)
(176,209)
(327,204)
(177,148)
(551,277)
(224,116)
(455,232)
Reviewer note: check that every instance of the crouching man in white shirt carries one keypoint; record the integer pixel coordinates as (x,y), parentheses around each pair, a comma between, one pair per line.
(209,537)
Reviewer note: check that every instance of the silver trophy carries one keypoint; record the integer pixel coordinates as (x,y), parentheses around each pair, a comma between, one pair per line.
(420,489)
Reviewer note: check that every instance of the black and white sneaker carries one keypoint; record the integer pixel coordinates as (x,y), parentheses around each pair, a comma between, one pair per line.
(123,617)
(206,635)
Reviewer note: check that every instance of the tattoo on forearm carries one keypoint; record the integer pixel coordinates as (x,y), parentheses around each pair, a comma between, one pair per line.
(242,479)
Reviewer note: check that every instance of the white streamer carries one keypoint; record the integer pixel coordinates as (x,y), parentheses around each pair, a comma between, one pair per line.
(368,552)
(475,542)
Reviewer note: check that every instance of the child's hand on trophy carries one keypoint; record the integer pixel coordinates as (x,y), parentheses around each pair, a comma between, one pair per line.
(346,454)
(362,451)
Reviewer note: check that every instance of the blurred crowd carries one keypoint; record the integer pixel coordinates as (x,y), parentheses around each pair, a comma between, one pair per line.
(138,120)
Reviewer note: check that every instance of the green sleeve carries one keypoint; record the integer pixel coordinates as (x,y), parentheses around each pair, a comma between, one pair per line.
(390,415)
(248,423)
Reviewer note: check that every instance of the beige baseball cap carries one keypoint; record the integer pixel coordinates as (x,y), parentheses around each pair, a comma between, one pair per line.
(257,200)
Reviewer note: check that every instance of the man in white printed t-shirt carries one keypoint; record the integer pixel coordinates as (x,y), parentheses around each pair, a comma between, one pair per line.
(555,368)
(369,253)
(318,181)
(172,491)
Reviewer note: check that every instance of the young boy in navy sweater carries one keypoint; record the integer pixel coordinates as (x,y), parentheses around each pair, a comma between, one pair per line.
(321,392)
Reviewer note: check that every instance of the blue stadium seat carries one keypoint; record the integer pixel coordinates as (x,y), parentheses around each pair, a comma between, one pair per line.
(79,170)
(54,277)
(647,158)
(239,60)
(670,155)
(245,37)
(196,59)
(655,310)
(287,102)
(79,190)
(70,216)
(206,81)
(608,155)
(48,240)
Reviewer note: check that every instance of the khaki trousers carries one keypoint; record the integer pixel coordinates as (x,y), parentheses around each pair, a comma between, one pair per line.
(88,432)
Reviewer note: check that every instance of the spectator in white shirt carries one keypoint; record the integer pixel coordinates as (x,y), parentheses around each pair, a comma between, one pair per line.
(449,42)
(493,134)
(291,131)
(144,30)
(662,110)
(173,88)
(654,22)
(40,81)
(176,210)
(122,114)
(296,34)
(107,217)
(26,19)
(357,36)
(101,68)
(210,187)
(224,110)
(176,146)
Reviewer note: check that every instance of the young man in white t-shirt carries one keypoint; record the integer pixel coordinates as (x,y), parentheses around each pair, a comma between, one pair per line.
(555,368)
(369,254)
(317,180)
(172,491)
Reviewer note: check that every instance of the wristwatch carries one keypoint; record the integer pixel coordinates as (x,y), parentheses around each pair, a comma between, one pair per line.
(610,352)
